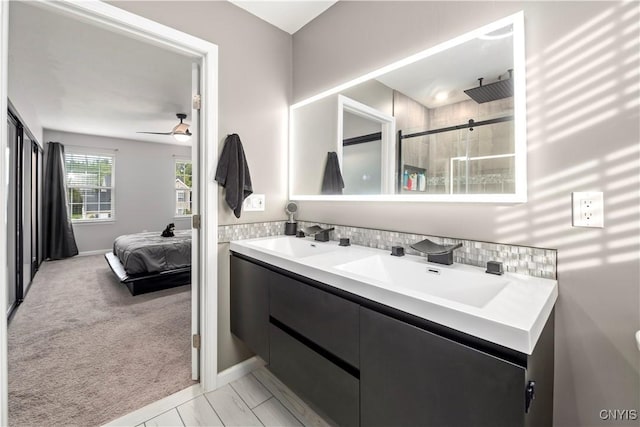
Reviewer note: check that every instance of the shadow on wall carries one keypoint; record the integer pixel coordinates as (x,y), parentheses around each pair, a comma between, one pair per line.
(583,96)
(590,77)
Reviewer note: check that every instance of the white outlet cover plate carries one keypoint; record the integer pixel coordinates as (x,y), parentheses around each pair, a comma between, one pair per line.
(254,202)
(587,209)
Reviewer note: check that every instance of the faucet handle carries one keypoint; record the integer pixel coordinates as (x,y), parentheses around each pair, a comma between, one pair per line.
(397,251)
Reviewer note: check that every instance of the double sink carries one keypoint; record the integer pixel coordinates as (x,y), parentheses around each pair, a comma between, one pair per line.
(509,310)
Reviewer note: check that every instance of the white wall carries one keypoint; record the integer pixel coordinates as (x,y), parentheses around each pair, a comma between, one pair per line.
(24,106)
(582,107)
(144,188)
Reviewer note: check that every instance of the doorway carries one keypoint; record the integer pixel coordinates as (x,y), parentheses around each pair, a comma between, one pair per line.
(206,53)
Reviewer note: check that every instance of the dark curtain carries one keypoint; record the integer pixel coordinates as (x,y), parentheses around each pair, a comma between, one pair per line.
(59,241)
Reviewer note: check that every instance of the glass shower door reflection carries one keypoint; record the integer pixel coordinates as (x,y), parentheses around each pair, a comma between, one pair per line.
(473,158)
(482,175)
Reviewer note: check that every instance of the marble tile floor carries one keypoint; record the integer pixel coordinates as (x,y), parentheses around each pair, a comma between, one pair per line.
(257,399)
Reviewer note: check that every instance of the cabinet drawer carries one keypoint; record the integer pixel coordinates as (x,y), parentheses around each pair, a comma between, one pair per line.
(411,377)
(249,304)
(327,320)
(330,389)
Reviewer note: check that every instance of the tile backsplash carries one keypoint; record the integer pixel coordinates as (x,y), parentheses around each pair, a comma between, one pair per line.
(531,261)
(226,233)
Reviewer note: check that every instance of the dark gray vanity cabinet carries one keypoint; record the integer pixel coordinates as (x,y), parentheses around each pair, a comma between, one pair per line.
(412,377)
(249,304)
(331,390)
(314,339)
(326,320)
(359,362)
(310,336)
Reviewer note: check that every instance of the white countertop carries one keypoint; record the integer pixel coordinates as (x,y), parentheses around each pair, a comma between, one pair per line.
(513,317)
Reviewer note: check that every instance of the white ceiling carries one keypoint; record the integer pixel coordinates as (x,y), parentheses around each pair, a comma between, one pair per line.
(84,79)
(289,16)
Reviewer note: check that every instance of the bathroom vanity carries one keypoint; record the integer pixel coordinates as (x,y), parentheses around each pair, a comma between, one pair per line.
(370,339)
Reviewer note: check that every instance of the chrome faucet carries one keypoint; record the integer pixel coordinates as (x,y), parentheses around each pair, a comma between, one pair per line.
(441,254)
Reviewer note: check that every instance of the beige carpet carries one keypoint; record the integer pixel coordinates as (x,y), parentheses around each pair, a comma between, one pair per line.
(83,351)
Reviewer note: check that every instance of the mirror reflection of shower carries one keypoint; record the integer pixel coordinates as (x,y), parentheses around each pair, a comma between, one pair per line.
(428,100)
(474,156)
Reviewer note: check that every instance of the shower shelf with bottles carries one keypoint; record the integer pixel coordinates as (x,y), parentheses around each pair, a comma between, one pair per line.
(412,178)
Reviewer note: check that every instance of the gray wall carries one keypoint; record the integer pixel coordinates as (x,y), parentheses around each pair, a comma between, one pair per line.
(581,136)
(254,88)
(144,188)
(254,96)
(317,125)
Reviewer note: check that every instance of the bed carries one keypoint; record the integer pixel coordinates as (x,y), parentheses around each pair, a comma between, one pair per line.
(147,262)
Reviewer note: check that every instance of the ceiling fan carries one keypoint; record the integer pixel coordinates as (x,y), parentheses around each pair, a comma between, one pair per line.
(180,131)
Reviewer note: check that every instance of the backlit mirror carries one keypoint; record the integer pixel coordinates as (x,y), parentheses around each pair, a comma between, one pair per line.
(446,124)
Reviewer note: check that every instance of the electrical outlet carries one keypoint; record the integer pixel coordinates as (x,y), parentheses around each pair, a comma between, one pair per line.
(588,209)
(254,202)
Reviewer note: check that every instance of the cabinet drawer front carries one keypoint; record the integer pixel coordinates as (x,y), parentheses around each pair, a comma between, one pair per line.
(249,305)
(328,388)
(327,320)
(411,377)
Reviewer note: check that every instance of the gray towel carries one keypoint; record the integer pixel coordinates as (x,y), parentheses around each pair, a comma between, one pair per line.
(233,173)
(332,182)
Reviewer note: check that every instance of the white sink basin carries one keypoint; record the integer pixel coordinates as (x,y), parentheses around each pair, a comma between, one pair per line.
(418,277)
(508,310)
(293,247)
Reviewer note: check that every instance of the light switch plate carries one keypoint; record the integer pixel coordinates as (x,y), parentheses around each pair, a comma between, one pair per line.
(588,209)
(254,202)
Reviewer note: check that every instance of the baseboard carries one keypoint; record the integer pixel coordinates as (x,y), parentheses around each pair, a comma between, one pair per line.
(96,252)
(154,409)
(240,370)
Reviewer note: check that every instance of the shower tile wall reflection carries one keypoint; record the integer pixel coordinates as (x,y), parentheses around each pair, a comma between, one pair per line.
(485,154)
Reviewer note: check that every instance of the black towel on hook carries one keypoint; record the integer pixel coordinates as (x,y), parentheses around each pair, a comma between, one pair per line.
(233,173)
(332,182)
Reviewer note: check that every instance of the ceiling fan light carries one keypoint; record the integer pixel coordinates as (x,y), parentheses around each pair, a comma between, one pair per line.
(182,137)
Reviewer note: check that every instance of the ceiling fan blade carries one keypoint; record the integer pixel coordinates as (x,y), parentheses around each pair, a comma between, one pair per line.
(158,133)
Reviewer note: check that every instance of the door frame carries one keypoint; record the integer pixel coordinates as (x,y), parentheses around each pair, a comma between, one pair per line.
(131,25)
(388,140)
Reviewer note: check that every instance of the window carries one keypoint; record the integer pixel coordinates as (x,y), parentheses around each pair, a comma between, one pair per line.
(90,186)
(183,187)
